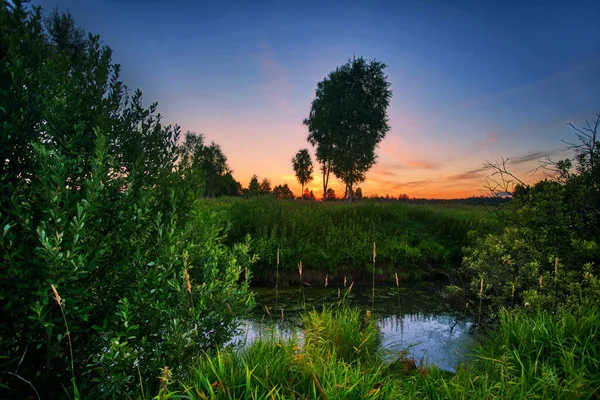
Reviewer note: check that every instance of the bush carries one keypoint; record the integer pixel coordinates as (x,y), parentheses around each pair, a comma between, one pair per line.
(548,252)
(110,271)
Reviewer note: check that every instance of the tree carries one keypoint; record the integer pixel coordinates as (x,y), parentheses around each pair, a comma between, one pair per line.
(311,196)
(358,194)
(330,195)
(208,161)
(348,119)
(303,167)
(253,186)
(283,192)
(265,187)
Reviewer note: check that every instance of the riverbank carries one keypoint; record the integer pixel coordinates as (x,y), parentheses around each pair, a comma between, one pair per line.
(556,359)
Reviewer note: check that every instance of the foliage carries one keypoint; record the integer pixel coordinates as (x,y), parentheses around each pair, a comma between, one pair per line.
(543,355)
(253,186)
(265,187)
(330,195)
(548,252)
(95,207)
(348,119)
(358,195)
(209,165)
(303,168)
(283,192)
(345,332)
(272,368)
(417,241)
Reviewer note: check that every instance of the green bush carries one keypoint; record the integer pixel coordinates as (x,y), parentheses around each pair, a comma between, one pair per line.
(547,255)
(110,270)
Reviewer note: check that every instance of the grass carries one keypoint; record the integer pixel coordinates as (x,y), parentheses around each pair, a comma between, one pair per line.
(537,355)
(416,241)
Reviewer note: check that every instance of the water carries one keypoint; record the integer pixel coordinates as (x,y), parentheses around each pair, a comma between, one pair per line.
(415,318)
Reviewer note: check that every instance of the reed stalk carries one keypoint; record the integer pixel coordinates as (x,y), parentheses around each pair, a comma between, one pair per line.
(480,301)
(60,305)
(277,279)
(373,276)
(398,292)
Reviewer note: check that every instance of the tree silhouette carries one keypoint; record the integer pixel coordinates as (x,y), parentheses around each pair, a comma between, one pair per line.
(283,192)
(253,186)
(330,195)
(265,187)
(209,162)
(348,119)
(303,168)
(358,194)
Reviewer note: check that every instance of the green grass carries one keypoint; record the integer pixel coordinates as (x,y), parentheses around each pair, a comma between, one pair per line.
(527,356)
(416,241)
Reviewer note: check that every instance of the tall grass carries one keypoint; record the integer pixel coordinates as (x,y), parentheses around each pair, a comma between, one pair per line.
(538,355)
(415,240)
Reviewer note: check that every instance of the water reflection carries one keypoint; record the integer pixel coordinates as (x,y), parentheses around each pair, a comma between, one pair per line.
(414,318)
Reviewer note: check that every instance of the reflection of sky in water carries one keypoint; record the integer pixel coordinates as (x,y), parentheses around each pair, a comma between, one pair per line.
(433,335)
(435,339)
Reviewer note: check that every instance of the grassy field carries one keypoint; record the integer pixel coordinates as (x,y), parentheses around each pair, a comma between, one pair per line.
(416,241)
(530,355)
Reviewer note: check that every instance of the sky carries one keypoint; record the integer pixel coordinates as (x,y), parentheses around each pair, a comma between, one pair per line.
(472,81)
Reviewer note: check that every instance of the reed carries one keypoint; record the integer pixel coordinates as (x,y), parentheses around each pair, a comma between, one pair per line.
(277,279)
(373,276)
(480,302)
(59,301)
(398,292)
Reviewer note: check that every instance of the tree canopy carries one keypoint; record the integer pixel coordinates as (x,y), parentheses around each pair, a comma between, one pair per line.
(348,119)
(303,167)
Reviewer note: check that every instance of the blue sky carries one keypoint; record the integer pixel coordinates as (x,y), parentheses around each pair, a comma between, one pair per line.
(472,80)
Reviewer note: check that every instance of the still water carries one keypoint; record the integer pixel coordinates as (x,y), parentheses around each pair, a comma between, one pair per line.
(415,318)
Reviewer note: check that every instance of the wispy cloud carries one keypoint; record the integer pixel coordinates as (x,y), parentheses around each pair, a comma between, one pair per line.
(489,140)
(532,156)
(408,164)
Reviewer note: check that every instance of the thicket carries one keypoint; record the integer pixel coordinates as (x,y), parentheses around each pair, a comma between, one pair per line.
(416,241)
(546,255)
(109,272)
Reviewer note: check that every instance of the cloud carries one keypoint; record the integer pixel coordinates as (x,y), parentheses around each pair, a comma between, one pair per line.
(412,184)
(409,164)
(489,140)
(476,174)
(531,156)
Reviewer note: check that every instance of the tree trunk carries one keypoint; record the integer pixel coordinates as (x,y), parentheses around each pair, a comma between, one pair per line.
(326,166)
(350,197)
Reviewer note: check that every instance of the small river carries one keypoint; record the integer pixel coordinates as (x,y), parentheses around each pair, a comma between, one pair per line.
(415,318)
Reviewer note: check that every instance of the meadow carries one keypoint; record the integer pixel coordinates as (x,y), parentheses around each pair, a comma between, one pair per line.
(415,241)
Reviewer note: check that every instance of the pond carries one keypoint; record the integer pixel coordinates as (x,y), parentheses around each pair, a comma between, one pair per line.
(415,318)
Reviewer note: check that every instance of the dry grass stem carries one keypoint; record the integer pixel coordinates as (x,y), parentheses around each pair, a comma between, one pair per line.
(187,281)
(56,296)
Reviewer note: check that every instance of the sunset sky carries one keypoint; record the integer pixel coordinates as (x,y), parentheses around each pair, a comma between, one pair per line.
(472,80)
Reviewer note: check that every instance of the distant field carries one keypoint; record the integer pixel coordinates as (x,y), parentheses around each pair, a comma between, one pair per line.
(416,241)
